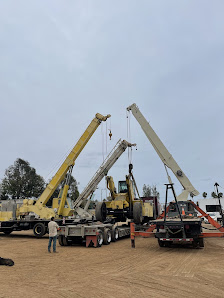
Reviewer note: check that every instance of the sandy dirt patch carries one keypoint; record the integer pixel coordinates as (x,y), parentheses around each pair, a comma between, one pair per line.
(115,270)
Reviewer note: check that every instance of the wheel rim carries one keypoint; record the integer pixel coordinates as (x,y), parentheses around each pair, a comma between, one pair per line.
(38,230)
(100,239)
(116,234)
(109,237)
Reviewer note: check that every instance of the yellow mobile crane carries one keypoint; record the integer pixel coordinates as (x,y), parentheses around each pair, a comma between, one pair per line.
(14,217)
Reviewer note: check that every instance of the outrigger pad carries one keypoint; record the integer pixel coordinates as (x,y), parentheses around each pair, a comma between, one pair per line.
(6,262)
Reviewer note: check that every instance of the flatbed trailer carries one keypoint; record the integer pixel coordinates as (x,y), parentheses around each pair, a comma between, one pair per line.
(93,234)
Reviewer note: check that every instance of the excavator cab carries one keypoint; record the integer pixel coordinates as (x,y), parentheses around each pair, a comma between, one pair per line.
(122,187)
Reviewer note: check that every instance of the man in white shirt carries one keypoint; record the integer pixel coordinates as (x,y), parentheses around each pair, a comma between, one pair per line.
(53,228)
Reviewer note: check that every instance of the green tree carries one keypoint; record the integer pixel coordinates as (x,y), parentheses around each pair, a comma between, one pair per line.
(73,189)
(21,182)
(73,192)
(149,191)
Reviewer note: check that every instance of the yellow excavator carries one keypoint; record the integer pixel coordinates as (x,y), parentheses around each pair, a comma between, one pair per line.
(123,205)
(15,216)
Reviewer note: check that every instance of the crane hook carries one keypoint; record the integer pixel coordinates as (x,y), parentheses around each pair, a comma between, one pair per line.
(110,133)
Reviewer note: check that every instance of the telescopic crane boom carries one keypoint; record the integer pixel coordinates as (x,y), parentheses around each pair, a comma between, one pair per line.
(164,155)
(113,156)
(66,168)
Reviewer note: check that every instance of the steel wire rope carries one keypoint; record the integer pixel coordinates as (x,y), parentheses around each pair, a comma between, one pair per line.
(59,163)
(61,160)
(102,135)
(128,115)
(106,137)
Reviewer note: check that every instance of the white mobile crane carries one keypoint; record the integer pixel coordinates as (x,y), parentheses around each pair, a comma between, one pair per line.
(84,228)
(164,155)
(15,217)
(188,227)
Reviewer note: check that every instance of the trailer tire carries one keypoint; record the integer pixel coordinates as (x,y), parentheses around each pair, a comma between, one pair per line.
(65,241)
(39,230)
(101,211)
(60,238)
(114,234)
(137,213)
(106,236)
(99,238)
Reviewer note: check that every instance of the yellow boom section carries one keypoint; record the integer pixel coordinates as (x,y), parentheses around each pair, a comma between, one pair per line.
(70,160)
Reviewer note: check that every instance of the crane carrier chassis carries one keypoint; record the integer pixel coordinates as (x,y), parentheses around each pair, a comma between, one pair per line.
(39,226)
(93,234)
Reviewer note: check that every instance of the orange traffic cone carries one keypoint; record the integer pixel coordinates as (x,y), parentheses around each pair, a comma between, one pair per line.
(183,212)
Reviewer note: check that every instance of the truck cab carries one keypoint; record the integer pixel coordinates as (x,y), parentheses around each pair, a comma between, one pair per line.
(212,208)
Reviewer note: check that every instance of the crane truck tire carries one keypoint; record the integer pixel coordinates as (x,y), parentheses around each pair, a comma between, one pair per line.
(39,230)
(106,236)
(101,211)
(161,243)
(114,234)
(168,243)
(198,243)
(201,242)
(137,213)
(60,238)
(99,238)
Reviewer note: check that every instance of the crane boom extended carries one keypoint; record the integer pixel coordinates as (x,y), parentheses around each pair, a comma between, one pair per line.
(112,157)
(70,160)
(164,154)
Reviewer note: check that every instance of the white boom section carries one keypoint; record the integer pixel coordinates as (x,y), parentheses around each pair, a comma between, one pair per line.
(113,156)
(164,154)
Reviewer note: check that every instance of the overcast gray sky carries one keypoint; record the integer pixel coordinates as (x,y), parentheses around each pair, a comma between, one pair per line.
(61,62)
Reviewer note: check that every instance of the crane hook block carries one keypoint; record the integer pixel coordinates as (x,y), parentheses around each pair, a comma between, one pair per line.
(110,134)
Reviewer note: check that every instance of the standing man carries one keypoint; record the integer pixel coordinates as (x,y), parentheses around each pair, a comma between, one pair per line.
(53,228)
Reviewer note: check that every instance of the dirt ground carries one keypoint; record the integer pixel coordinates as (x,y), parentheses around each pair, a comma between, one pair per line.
(115,270)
